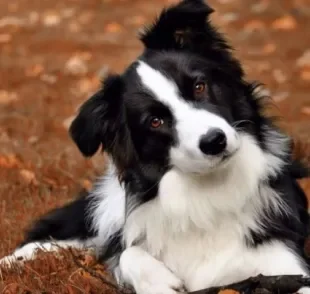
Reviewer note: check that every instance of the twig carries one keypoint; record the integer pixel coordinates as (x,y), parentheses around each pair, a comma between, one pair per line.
(93,273)
(263,284)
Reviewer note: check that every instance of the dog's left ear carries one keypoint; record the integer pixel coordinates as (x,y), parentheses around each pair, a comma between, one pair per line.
(186,27)
(98,120)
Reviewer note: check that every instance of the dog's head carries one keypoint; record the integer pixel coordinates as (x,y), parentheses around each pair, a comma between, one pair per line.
(182,103)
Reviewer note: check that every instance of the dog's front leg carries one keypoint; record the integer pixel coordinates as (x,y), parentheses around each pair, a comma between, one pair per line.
(146,274)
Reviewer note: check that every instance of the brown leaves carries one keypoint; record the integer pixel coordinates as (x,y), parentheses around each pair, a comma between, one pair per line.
(9,161)
(305,75)
(306,110)
(113,27)
(28,177)
(5,38)
(76,66)
(7,97)
(285,23)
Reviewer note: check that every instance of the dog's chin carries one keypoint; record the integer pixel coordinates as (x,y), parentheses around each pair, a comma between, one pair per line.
(206,166)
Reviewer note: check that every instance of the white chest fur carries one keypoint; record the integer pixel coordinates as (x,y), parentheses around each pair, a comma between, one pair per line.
(197,226)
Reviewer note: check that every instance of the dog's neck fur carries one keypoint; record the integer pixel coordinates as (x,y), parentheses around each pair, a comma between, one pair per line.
(234,193)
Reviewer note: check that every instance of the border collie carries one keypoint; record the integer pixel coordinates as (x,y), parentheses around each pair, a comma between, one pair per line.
(201,188)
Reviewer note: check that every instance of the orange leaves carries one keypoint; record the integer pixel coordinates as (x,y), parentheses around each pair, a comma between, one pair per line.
(9,161)
(285,23)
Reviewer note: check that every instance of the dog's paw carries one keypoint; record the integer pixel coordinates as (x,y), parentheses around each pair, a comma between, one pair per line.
(304,290)
(163,282)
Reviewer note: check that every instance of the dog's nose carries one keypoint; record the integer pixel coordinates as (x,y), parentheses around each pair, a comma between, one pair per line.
(214,142)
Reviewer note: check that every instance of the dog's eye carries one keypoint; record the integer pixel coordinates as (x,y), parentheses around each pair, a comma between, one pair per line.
(199,88)
(156,122)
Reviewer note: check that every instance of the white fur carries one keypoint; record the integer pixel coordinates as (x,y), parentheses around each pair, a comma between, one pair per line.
(197,224)
(191,123)
(148,275)
(107,211)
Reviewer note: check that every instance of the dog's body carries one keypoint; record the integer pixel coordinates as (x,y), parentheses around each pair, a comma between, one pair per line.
(201,187)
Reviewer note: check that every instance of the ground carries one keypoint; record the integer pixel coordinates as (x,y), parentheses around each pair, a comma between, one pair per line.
(53,55)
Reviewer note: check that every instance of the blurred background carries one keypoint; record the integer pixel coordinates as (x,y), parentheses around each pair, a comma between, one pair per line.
(53,54)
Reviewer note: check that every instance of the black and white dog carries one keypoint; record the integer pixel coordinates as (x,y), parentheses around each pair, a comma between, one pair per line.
(201,186)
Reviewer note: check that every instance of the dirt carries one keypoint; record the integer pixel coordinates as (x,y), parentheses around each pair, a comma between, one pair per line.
(53,55)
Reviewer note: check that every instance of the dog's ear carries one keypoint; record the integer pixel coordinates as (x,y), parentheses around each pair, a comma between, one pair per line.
(98,118)
(186,26)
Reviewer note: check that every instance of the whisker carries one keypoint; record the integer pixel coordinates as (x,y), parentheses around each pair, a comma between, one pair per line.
(236,123)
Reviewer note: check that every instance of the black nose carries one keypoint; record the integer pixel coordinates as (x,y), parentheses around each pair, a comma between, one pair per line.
(214,142)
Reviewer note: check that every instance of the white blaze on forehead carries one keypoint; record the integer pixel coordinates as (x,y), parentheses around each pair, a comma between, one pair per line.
(191,122)
(164,89)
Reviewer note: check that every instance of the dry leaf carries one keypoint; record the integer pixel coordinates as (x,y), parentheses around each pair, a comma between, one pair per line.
(305,75)
(113,27)
(34,70)
(5,38)
(284,23)
(86,184)
(51,19)
(28,176)
(279,76)
(306,110)
(255,25)
(269,48)
(7,97)
(67,122)
(137,20)
(9,161)
(228,292)
(76,66)
(304,60)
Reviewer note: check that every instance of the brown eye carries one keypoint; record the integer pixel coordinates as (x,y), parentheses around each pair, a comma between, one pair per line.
(199,87)
(156,122)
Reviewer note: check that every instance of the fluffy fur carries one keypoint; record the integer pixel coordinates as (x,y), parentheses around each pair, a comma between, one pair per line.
(201,186)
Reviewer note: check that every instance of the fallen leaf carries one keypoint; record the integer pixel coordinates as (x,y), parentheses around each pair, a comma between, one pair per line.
(304,59)
(87,185)
(76,66)
(305,75)
(74,27)
(306,110)
(113,27)
(33,17)
(279,97)
(260,6)
(89,260)
(229,17)
(5,38)
(9,161)
(85,17)
(228,291)
(137,20)
(28,176)
(284,23)
(279,76)
(51,19)
(7,97)
(269,48)
(67,122)
(255,25)
(34,70)
(47,78)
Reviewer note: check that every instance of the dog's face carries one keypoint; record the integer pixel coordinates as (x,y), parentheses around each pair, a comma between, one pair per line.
(177,105)
(178,113)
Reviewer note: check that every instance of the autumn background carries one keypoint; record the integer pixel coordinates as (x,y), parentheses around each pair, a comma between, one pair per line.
(53,54)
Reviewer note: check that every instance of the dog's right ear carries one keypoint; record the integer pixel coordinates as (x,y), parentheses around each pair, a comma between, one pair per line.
(98,118)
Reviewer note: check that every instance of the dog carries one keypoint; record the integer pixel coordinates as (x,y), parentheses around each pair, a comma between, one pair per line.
(201,186)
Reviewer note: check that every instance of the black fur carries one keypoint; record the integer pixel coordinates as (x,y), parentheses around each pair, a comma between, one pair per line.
(65,223)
